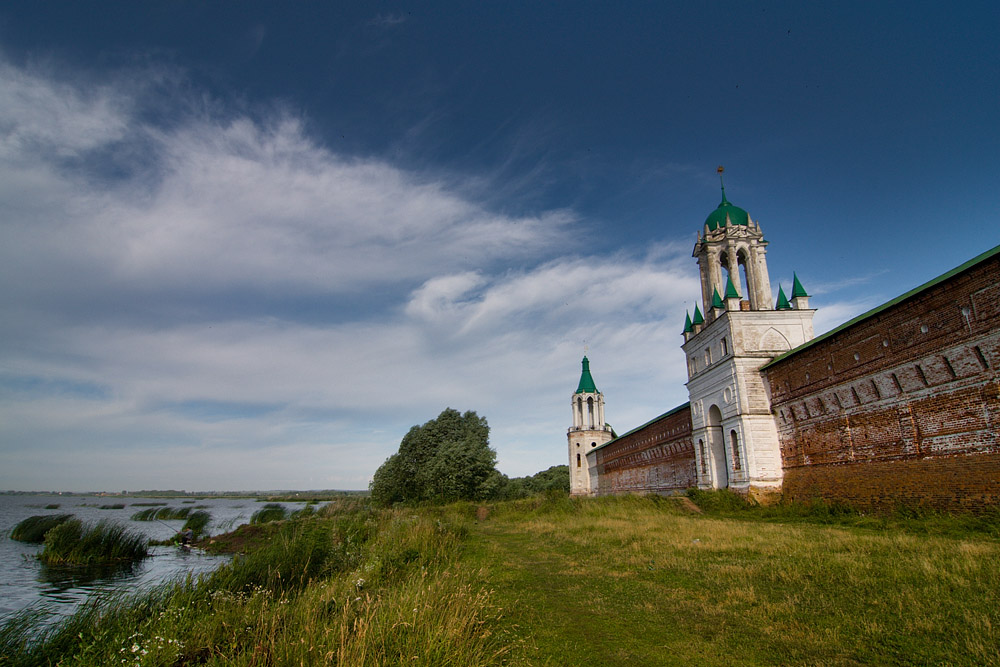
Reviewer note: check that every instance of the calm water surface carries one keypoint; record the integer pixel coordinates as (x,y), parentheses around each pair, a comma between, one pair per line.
(25,582)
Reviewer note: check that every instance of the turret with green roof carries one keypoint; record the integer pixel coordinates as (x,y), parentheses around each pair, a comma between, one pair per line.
(699,319)
(586,385)
(800,300)
(731,292)
(717,300)
(782,300)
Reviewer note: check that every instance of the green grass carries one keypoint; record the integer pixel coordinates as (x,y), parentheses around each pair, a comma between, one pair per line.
(552,580)
(270,512)
(75,543)
(644,581)
(33,529)
(908,520)
(113,506)
(53,506)
(348,587)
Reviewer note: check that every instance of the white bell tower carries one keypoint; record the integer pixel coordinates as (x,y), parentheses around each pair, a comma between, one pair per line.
(588,430)
(734,433)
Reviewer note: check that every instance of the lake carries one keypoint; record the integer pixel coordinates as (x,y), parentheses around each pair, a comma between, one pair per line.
(25,582)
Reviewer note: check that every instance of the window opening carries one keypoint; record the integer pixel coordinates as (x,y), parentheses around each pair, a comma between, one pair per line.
(735,439)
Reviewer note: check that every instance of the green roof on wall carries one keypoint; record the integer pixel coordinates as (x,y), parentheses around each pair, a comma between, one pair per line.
(978,259)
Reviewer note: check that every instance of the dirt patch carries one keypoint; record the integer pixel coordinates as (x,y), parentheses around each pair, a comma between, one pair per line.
(688,505)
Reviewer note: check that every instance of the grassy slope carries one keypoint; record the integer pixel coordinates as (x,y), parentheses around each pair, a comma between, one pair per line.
(611,581)
(640,582)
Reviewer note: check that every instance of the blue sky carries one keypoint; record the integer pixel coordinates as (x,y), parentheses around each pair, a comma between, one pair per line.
(249,249)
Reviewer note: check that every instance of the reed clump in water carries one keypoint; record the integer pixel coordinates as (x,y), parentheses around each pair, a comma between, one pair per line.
(33,528)
(269,512)
(162,514)
(75,543)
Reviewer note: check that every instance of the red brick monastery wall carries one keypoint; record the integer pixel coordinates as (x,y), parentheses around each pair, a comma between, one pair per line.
(657,457)
(901,407)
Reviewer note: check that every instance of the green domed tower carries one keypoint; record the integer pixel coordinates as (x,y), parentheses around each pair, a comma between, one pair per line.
(733,431)
(732,243)
(587,432)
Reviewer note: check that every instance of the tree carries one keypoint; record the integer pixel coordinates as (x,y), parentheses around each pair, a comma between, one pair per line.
(448,458)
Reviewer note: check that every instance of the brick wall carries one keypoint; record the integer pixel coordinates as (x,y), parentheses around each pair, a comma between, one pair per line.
(655,458)
(901,407)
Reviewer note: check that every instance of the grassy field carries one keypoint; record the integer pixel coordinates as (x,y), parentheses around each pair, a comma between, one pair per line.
(560,581)
(649,581)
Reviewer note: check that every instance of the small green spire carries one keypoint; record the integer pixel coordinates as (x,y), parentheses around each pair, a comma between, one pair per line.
(687,323)
(587,385)
(797,288)
(716,299)
(731,292)
(782,300)
(698,318)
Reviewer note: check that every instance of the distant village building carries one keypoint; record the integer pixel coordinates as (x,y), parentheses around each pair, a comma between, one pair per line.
(899,406)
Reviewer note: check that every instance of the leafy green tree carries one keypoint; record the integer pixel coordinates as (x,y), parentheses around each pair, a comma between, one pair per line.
(448,458)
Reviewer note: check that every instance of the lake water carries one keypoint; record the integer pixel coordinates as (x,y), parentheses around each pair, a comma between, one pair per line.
(24,581)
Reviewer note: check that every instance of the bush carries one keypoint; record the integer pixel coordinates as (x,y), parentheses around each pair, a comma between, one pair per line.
(33,528)
(73,543)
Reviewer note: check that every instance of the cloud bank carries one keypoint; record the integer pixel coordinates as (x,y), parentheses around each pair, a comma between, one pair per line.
(212,299)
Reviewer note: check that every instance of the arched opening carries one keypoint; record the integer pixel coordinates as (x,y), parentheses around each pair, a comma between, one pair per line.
(734,441)
(579,413)
(704,456)
(717,445)
(578,460)
(744,278)
(590,412)
(738,270)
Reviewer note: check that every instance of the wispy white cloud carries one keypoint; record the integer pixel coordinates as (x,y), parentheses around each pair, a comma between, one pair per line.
(472,309)
(388,20)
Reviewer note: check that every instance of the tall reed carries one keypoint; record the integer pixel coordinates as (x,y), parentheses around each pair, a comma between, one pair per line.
(33,528)
(162,514)
(197,522)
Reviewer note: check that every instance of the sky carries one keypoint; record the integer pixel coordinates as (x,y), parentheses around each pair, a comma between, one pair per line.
(248,246)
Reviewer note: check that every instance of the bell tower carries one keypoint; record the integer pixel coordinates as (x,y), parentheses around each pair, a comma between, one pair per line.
(734,433)
(588,430)
(732,242)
